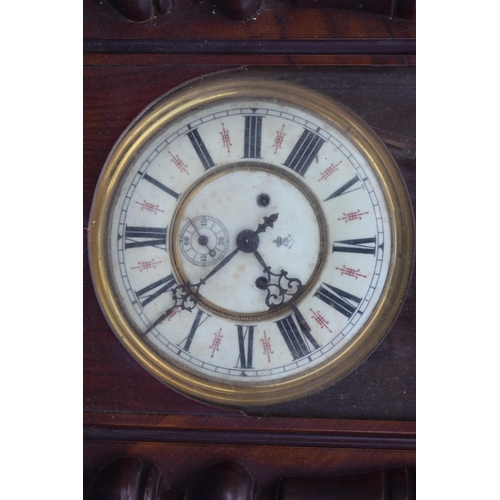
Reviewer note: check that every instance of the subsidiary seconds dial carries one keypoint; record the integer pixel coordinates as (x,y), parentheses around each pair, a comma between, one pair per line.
(203,240)
(257,243)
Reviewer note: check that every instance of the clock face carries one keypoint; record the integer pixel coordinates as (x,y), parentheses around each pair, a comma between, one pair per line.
(250,241)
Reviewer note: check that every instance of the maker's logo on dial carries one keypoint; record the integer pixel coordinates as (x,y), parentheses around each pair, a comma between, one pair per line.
(203,240)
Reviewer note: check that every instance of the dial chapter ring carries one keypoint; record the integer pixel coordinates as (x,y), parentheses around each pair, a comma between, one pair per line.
(249,245)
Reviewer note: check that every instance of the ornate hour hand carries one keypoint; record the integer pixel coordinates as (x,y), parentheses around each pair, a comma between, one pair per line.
(268,222)
(248,241)
(280,288)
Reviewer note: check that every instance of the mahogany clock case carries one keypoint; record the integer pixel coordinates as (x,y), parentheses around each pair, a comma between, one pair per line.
(365,59)
(383,387)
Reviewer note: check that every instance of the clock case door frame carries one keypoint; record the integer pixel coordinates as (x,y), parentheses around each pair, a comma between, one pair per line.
(364,422)
(368,384)
(234,85)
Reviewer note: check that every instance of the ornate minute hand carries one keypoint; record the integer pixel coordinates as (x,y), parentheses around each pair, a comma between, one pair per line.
(186,298)
(164,316)
(183,298)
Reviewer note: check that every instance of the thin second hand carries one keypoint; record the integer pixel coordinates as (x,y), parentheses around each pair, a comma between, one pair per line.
(201,236)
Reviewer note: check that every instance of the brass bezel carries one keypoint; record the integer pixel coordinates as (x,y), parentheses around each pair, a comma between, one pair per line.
(206,91)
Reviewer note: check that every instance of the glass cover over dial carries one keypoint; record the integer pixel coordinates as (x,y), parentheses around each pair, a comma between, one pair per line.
(246,241)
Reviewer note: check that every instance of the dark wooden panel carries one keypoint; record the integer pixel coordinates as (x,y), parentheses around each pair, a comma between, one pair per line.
(248,47)
(397,8)
(278,20)
(144,10)
(242,430)
(385,7)
(366,62)
(384,386)
(224,61)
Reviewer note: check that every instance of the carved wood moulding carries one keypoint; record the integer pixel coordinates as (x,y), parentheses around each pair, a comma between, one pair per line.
(276,20)
(241,430)
(144,10)
(129,478)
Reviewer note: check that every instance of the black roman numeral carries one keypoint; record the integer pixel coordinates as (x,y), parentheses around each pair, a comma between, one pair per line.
(342,301)
(200,148)
(246,354)
(147,236)
(360,245)
(345,188)
(161,186)
(297,334)
(253,136)
(304,152)
(196,323)
(151,292)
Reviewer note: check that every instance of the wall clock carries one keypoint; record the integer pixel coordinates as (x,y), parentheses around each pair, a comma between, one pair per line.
(251,241)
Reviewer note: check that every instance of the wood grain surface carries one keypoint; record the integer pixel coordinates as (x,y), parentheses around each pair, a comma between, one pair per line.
(384,386)
(365,422)
(279,20)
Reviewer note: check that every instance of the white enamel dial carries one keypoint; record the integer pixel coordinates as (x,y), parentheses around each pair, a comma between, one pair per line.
(249,242)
